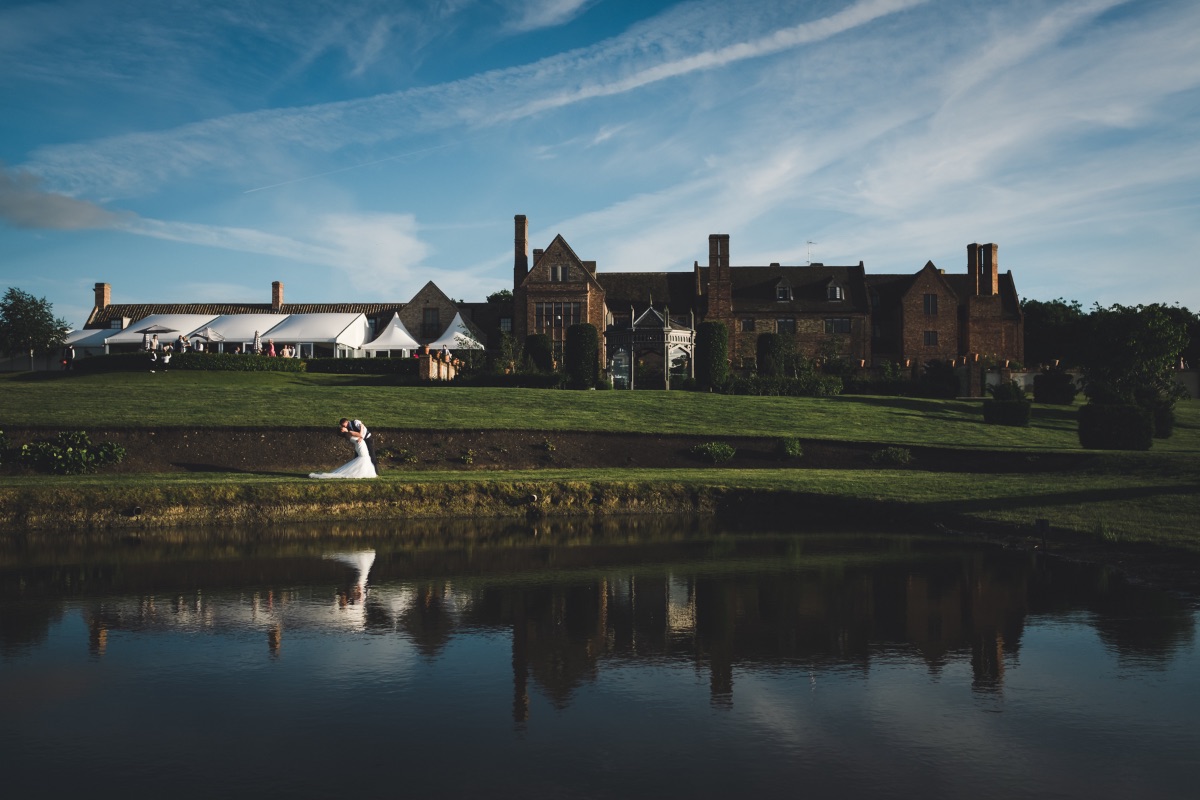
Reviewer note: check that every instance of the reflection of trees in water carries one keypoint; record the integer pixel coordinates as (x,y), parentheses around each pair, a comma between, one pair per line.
(430,620)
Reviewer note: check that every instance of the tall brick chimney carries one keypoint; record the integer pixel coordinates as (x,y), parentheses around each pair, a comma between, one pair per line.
(103,295)
(983,265)
(276,296)
(720,285)
(520,249)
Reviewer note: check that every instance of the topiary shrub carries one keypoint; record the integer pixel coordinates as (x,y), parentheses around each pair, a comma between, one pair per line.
(714,452)
(712,355)
(892,457)
(540,352)
(581,354)
(789,449)
(1105,426)
(1054,387)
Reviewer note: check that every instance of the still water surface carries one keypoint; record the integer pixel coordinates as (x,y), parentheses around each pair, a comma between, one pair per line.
(633,659)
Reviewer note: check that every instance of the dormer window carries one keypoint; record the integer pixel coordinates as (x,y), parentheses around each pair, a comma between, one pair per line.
(783,293)
(835,292)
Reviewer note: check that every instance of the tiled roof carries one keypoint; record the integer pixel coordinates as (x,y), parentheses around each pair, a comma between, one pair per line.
(102,317)
(623,289)
(755,289)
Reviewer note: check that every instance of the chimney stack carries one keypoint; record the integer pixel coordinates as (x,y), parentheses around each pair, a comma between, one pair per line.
(103,295)
(276,296)
(520,249)
(983,265)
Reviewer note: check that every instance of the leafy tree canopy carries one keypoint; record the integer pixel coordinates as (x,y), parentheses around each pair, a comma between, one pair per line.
(500,296)
(1130,353)
(28,326)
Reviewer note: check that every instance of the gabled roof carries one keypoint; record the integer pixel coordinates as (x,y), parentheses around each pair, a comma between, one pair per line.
(394,336)
(754,289)
(675,290)
(103,317)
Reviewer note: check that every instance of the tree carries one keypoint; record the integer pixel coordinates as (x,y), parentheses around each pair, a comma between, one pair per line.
(27,325)
(1054,331)
(1131,353)
(581,354)
(712,355)
(502,296)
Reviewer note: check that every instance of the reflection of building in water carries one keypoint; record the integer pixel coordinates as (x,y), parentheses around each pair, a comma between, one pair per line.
(726,619)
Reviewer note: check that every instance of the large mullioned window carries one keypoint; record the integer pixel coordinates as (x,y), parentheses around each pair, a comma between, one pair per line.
(553,319)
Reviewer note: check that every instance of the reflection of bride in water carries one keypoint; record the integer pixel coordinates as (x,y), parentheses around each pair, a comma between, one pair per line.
(360,561)
(358,467)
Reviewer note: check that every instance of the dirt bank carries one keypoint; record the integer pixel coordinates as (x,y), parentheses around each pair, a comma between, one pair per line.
(300,450)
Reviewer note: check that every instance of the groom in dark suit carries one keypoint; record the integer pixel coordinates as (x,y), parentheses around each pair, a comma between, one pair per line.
(357,430)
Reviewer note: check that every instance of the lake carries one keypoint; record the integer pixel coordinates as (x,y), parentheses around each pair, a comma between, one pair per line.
(629,658)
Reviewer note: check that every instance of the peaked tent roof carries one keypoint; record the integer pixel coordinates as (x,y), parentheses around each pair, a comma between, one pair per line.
(457,337)
(241,327)
(393,337)
(344,329)
(177,323)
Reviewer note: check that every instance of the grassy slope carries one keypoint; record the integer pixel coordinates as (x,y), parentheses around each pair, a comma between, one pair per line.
(1153,497)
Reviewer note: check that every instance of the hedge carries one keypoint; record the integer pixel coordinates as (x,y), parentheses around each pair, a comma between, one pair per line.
(1054,387)
(364,366)
(219,362)
(809,386)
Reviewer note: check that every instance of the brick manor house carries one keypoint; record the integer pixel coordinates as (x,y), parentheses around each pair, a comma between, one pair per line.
(909,319)
(649,318)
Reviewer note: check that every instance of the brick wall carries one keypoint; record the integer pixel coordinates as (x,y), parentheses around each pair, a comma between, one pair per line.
(915,321)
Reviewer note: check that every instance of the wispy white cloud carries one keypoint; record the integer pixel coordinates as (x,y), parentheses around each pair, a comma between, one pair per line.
(247,144)
(532,15)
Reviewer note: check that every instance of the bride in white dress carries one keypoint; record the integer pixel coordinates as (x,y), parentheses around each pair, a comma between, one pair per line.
(358,467)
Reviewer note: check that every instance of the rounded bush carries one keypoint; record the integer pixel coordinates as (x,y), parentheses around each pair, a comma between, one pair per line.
(581,354)
(1054,387)
(1115,427)
(540,351)
(714,452)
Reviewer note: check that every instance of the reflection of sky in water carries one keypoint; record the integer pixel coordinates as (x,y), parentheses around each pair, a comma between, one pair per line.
(603,683)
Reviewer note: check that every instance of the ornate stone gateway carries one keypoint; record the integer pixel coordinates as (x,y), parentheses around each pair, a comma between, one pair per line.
(649,352)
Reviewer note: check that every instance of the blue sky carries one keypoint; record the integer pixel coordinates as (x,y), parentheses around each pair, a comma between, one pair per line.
(354,150)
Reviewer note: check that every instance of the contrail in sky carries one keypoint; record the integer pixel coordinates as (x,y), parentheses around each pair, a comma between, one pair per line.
(347,169)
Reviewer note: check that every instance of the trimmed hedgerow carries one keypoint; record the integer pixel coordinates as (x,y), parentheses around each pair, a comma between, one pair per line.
(814,385)
(1115,427)
(217,362)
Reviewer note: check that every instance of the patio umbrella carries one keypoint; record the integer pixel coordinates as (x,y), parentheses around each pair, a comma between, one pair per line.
(257,342)
(157,329)
(210,335)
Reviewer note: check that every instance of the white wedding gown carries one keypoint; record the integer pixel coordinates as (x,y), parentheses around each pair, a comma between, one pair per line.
(358,467)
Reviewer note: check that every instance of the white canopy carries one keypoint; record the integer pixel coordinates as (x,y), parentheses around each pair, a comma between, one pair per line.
(348,330)
(174,324)
(393,337)
(240,328)
(457,337)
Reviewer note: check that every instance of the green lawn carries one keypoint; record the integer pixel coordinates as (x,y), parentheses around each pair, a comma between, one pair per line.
(283,400)
(1149,497)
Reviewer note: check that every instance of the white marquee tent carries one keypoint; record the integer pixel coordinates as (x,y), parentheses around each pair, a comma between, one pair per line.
(173,325)
(239,329)
(457,337)
(394,336)
(336,334)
